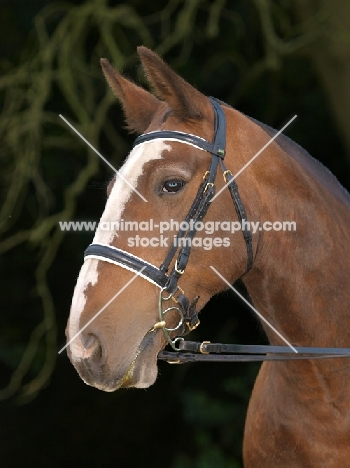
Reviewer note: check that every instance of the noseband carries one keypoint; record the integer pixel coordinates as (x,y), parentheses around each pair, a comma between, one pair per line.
(168,282)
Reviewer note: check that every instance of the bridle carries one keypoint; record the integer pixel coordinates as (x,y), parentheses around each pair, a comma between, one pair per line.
(168,282)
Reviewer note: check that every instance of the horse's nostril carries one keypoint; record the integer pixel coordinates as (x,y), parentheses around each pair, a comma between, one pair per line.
(90,341)
(93,348)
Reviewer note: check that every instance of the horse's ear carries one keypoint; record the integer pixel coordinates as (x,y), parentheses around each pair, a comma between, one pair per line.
(183,98)
(139,105)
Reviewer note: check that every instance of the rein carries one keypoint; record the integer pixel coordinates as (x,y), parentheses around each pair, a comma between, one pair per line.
(187,351)
(214,352)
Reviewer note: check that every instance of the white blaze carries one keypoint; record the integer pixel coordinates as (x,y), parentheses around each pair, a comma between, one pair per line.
(115,206)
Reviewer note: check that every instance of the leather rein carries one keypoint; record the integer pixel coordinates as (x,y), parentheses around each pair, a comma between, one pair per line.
(186,351)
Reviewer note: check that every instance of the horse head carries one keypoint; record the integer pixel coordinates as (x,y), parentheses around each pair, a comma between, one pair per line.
(114,329)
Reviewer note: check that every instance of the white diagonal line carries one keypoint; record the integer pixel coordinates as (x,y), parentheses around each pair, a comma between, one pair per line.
(254,157)
(254,309)
(103,308)
(103,158)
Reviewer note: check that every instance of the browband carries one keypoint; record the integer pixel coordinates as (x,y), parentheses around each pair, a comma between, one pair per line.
(172,135)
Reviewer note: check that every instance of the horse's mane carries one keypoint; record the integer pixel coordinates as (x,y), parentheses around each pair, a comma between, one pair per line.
(313,166)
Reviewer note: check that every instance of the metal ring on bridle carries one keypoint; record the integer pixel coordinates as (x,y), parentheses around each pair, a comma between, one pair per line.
(181,321)
(170,296)
(161,315)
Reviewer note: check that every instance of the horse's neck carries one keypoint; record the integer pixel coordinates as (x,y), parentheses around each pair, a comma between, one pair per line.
(300,280)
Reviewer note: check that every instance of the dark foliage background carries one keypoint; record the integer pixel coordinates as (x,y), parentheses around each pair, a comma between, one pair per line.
(261,56)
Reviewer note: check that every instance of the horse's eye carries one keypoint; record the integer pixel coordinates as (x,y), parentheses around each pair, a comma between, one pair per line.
(172,186)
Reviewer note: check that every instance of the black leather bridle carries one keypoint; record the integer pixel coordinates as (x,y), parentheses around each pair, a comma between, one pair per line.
(168,282)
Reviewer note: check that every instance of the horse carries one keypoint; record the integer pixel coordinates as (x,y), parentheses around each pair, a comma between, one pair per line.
(298,414)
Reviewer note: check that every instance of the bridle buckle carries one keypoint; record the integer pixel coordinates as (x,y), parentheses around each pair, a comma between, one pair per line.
(225,175)
(201,347)
(209,184)
(193,327)
(179,272)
